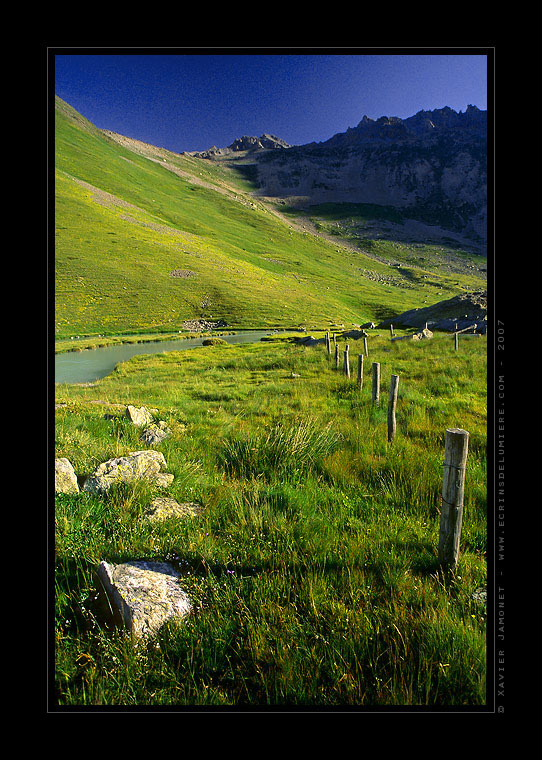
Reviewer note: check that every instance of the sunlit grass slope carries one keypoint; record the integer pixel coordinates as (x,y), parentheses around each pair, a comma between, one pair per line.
(126,218)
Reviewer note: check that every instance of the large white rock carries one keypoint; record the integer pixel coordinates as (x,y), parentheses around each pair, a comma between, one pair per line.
(126,469)
(65,477)
(141,596)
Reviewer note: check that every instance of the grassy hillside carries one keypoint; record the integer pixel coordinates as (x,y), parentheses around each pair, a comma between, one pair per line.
(127,215)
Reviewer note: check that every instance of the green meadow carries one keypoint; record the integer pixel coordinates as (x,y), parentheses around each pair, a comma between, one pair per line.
(313,568)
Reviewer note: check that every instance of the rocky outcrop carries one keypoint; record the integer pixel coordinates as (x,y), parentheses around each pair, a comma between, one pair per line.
(431,167)
(454,314)
(199,325)
(134,466)
(140,596)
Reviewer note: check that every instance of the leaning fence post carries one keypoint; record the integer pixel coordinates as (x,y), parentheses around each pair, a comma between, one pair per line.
(391,331)
(453,489)
(376,384)
(360,371)
(392,404)
(346,361)
(337,355)
(365,349)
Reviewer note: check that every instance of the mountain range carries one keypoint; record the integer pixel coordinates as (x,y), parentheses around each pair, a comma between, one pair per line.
(432,167)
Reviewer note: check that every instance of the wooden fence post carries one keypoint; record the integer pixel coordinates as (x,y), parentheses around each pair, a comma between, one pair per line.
(453,489)
(376,384)
(360,371)
(456,341)
(337,355)
(365,349)
(346,362)
(392,404)
(391,331)
(328,343)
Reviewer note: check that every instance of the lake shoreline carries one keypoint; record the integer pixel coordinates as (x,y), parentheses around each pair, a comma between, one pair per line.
(83,365)
(89,342)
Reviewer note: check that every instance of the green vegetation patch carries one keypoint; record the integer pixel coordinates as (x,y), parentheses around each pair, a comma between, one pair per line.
(313,567)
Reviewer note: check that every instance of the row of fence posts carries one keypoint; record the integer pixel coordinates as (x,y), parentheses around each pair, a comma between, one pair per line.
(394,386)
(455,455)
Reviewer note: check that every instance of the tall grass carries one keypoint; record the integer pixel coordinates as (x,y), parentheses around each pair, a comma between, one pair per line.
(313,567)
(286,450)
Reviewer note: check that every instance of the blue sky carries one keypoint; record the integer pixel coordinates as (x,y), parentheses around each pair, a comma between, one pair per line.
(192,101)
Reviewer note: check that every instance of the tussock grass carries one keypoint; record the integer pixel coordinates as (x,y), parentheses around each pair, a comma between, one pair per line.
(285,451)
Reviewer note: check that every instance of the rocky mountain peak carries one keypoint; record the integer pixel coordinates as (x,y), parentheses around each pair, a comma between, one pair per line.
(246,142)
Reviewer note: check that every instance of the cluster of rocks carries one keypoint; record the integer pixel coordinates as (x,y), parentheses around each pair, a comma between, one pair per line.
(134,466)
(424,334)
(199,325)
(138,596)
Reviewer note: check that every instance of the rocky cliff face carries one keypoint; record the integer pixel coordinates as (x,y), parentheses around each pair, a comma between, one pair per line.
(431,166)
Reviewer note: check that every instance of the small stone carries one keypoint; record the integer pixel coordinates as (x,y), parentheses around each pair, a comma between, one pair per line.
(156,432)
(480,595)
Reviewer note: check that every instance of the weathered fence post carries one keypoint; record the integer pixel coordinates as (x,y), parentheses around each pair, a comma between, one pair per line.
(334,338)
(391,331)
(392,404)
(456,341)
(337,355)
(360,371)
(328,343)
(453,489)
(376,384)
(346,361)
(365,349)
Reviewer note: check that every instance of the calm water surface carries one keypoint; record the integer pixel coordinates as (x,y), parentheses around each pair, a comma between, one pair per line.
(89,365)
